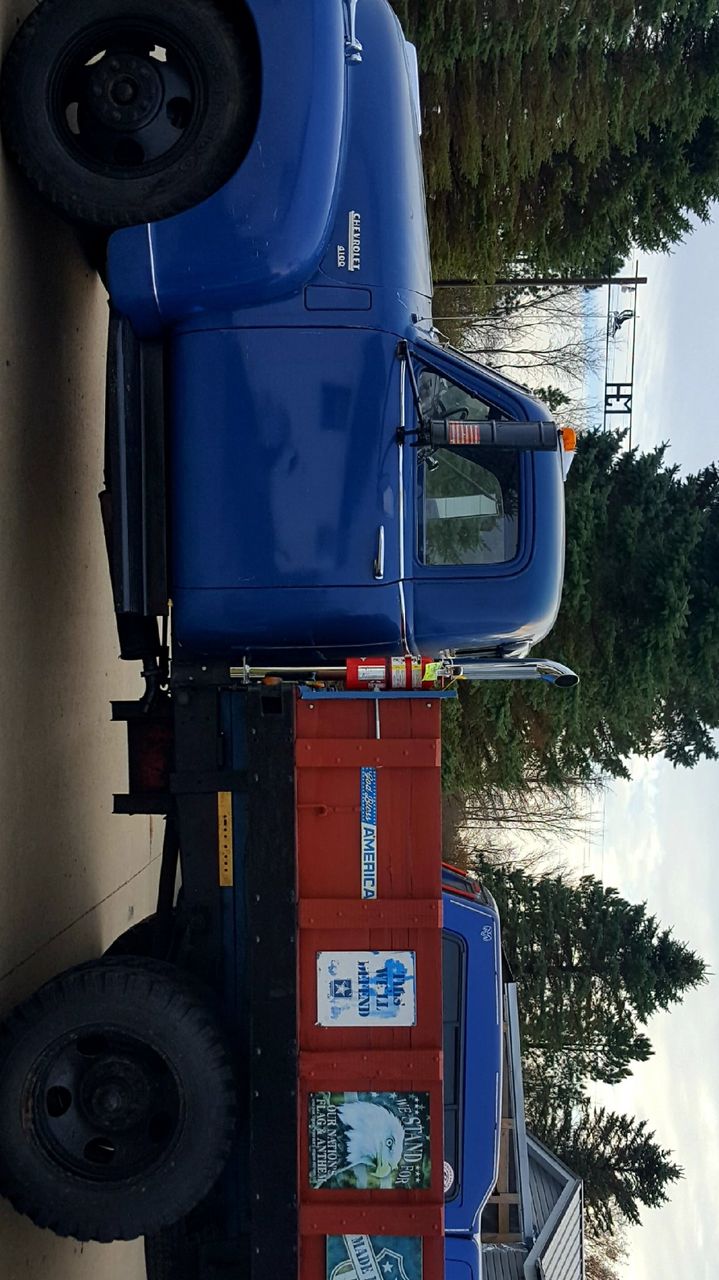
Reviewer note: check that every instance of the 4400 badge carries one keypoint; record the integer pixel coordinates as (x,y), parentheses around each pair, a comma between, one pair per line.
(369,1141)
(374,1258)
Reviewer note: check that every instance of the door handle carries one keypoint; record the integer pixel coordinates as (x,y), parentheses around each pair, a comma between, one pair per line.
(378,566)
(353,48)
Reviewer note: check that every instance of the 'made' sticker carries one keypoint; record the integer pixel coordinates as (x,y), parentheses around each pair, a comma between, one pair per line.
(374,1258)
(368,831)
(366,989)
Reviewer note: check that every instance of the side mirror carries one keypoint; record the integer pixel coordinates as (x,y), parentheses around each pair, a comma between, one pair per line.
(493,433)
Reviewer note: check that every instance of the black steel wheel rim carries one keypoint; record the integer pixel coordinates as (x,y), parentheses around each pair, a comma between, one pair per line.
(127,98)
(104,1105)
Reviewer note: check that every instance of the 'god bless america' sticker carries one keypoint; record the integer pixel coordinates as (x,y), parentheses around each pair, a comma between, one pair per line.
(368,831)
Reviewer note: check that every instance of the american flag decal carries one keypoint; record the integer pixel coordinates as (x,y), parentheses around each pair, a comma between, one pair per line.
(463,432)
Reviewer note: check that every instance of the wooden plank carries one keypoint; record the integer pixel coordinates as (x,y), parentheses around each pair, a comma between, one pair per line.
(424,1034)
(330,914)
(414,1068)
(385,753)
(329,829)
(344,1217)
(356,718)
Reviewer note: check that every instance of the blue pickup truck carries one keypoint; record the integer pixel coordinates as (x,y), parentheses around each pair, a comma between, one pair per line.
(294,458)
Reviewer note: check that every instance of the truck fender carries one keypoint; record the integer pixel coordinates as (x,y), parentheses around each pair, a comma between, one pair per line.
(263,234)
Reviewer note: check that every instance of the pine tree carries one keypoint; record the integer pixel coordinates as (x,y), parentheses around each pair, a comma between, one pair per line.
(565,133)
(619,1160)
(591,969)
(639,621)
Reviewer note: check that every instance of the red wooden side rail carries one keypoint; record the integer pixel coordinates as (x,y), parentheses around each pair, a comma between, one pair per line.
(370,998)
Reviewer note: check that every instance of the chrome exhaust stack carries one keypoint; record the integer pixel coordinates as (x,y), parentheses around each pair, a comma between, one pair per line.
(520,669)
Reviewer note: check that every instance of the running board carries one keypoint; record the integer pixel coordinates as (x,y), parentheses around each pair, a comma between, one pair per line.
(133,502)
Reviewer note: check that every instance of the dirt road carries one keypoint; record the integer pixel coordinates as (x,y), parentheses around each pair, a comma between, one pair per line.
(72,876)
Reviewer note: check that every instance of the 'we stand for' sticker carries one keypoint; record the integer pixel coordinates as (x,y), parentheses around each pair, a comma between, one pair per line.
(369,1141)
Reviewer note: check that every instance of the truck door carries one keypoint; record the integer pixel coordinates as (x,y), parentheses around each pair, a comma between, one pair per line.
(285,459)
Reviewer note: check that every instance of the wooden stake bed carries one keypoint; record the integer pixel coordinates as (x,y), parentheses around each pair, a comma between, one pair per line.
(368,821)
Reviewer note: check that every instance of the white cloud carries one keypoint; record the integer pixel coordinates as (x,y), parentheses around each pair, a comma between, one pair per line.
(676,349)
(660,847)
(653,364)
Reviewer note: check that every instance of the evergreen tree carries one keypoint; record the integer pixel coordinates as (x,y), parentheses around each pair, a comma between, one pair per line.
(639,621)
(563,134)
(621,1163)
(591,969)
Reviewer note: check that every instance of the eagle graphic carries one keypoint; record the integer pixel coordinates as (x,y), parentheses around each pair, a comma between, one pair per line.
(374,1143)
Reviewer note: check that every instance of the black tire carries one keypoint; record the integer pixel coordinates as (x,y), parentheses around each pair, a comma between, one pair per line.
(111,132)
(170,1256)
(117,1101)
(174,1254)
(138,940)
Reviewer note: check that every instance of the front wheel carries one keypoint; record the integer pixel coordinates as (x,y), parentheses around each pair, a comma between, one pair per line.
(117,1101)
(127,111)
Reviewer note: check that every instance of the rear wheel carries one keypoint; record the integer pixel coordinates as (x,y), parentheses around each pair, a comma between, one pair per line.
(138,940)
(175,1253)
(117,1101)
(126,111)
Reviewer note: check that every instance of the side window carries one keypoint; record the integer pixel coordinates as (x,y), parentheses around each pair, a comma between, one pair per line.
(468,494)
(452,1038)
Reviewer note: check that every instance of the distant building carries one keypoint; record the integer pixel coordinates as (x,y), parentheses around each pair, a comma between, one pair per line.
(533,1224)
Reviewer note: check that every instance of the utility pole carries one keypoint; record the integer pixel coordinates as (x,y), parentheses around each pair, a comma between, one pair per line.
(589,282)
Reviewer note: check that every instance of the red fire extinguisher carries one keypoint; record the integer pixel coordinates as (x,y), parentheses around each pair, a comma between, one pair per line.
(396,673)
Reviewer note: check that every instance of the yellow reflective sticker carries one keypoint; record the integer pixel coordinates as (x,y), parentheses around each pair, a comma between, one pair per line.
(432,673)
(224,837)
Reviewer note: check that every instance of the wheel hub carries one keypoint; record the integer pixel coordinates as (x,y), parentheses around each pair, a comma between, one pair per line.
(116,1094)
(125,91)
(105,1105)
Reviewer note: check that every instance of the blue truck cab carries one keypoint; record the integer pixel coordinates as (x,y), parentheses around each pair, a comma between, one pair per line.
(295,461)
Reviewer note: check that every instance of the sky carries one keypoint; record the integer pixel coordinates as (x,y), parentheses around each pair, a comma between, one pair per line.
(661,829)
